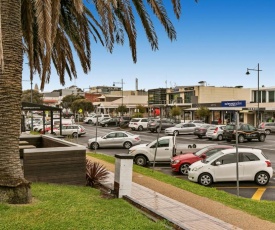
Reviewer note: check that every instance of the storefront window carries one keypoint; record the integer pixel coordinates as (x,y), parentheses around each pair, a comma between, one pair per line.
(271,96)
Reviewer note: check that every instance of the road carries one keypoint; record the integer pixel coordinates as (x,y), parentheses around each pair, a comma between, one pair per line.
(246,189)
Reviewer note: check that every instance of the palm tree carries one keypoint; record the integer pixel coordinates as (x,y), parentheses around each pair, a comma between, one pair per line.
(46,31)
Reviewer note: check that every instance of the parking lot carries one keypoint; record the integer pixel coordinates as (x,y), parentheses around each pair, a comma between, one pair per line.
(246,189)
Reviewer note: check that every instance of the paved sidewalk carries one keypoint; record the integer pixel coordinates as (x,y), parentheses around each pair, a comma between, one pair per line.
(179,214)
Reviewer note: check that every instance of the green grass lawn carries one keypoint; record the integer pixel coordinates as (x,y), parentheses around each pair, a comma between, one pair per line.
(73,207)
(263,209)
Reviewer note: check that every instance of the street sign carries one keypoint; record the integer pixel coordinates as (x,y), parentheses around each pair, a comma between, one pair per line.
(233,103)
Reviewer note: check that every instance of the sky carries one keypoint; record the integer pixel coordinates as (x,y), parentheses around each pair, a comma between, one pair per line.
(217,40)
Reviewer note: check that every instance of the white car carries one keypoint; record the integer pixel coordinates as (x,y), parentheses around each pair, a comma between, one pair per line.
(70,130)
(215,132)
(114,139)
(182,128)
(138,124)
(95,118)
(221,166)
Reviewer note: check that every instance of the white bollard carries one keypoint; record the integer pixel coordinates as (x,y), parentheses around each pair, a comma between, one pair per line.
(123,175)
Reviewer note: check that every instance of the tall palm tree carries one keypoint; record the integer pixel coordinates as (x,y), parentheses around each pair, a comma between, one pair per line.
(46,31)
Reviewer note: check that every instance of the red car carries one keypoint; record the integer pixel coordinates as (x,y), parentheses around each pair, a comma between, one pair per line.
(180,163)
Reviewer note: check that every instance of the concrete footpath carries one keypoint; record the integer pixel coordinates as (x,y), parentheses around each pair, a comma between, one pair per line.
(178,214)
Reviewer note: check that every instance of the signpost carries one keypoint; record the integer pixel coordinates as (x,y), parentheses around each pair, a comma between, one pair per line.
(236,104)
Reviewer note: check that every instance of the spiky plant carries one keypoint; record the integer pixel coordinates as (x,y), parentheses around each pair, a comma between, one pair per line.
(96,174)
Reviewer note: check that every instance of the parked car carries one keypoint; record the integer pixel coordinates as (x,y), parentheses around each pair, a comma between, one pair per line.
(124,121)
(200,131)
(181,163)
(221,166)
(215,132)
(109,122)
(70,130)
(155,125)
(269,127)
(95,118)
(197,121)
(181,128)
(120,139)
(138,124)
(245,132)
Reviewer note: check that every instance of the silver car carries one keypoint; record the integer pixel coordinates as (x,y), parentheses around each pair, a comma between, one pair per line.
(215,132)
(114,139)
(182,128)
(70,130)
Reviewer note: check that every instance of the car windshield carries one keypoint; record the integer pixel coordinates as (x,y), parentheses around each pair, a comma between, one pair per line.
(230,127)
(129,134)
(199,152)
(210,158)
(178,125)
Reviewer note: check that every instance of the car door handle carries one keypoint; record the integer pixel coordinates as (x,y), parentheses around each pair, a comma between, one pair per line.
(166,149)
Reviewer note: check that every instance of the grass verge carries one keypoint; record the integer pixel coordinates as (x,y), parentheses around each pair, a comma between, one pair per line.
(262,209)
(73,207)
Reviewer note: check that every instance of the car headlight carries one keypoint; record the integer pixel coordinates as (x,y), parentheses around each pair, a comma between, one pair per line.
(197,168)
(131,151)
(175,161)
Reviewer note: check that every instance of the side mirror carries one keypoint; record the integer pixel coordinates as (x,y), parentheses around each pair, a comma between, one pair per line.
(203,156)
(218,163)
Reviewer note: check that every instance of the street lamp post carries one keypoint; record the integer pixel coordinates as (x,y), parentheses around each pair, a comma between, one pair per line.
(114,83)
(258,92)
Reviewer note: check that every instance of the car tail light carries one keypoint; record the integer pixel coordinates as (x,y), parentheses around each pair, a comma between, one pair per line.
(216,130)
(268,163)
(137,138)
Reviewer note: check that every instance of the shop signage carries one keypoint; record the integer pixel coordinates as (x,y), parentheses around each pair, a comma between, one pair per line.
(233,103)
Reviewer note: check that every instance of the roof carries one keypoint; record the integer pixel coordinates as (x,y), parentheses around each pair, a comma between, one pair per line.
(38,107)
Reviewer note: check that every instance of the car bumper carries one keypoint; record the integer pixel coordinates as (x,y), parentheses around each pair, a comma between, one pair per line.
(193,176)
(175,168)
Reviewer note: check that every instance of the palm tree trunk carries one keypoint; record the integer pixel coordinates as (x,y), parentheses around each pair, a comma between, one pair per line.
(13,187)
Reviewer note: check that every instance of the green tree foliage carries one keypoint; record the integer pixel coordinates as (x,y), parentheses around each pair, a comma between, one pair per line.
(32,96)
(69,99)
(175,111)
(137,115)
(83,104)
(141,109)
(203,112)
(122,109)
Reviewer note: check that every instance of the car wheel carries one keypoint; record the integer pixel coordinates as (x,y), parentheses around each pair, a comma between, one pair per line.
(176,133)
(106,125)
(262,138)
(94,145)
(140,128)
(54,133)
(262,178)
(127,145)
(267,131)
(241,138)
(184,169)
(141,160)
(209,138)
(90,122)
(205,179)
(74,135)
(200,136)
(219,137)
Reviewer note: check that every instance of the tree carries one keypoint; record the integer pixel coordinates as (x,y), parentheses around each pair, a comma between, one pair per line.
(175,111)
(45,31)
(83,104)
(203,113)
(32,96)
(122,109)
(141,109)
(68,100)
